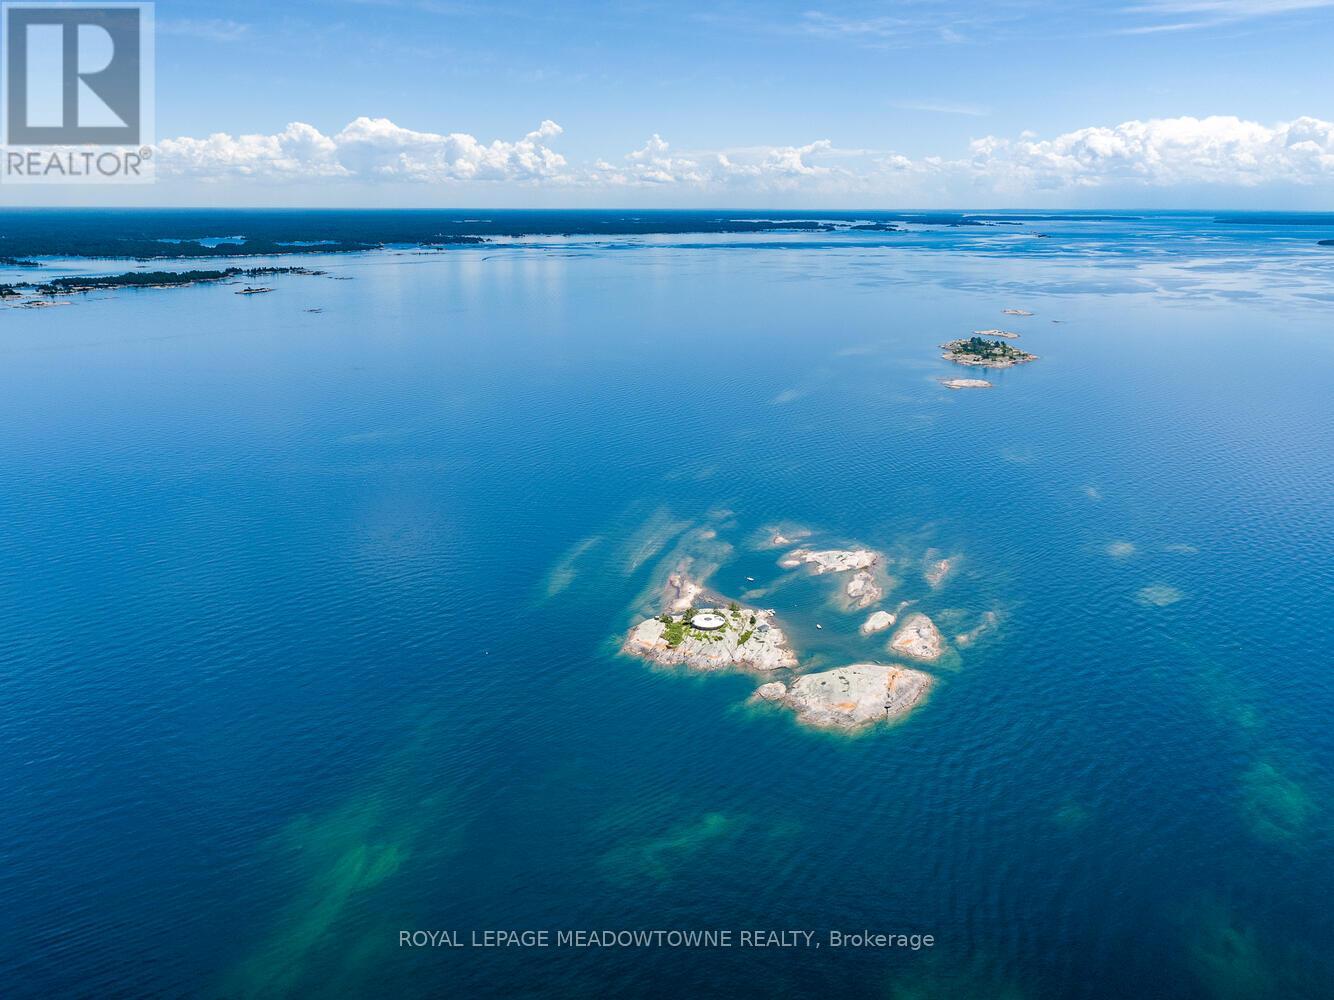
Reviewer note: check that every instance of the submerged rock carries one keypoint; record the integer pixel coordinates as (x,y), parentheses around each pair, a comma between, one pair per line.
(919,638)
(935,571)
(680,591)
(779,536)
(985,624)
(850,697)
(1158,595)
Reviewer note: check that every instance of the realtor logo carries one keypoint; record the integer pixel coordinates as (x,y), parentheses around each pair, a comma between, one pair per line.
(77,75)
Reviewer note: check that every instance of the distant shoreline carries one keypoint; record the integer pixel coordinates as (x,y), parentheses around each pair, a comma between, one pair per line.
(159,234)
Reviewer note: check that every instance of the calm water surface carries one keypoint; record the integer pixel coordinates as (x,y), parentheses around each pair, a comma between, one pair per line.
(308,621)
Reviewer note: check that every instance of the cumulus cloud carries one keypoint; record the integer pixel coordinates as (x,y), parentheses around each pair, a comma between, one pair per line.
(1159,153)
(656,164)
(1162,152)
(367,148)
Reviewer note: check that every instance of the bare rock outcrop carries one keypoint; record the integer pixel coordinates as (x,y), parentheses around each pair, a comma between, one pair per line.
(862,590)
(919,638)
(878,622)
(830,560)
(850,697)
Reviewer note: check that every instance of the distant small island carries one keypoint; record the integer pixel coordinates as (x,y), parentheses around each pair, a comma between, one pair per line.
(981,352)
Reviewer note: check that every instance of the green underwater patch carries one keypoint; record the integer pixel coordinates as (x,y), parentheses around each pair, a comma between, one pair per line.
(938,977)
(1276,807)
(1226,957)
(338,857)
(659,858)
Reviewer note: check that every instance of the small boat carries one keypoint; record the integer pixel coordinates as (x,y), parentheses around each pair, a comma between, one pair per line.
(750,579)
(819,626)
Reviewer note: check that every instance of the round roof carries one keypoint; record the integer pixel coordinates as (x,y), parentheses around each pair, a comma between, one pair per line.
(708,620)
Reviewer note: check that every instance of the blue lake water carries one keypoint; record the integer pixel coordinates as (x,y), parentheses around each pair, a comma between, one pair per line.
(309,621)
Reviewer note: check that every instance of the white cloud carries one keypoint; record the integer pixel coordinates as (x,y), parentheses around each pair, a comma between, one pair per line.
(367,148)
(215,29)
(1192,14)
(818,22)
(941,108)
(760,167)
(1186,153)
(299,151)
(1164,152)
(378,147)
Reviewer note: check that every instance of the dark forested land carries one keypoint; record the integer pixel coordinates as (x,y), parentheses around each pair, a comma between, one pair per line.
(201,233)
(140,279)
(175,233)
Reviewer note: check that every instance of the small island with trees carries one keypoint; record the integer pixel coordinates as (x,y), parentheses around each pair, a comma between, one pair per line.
(981,352)
(716,637)
(142,279)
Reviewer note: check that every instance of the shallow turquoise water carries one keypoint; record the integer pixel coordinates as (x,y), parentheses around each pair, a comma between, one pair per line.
(308,622)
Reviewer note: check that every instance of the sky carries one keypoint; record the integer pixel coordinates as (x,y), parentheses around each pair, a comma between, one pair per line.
(915,103)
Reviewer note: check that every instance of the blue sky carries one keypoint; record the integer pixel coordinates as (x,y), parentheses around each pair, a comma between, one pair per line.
(1197,103)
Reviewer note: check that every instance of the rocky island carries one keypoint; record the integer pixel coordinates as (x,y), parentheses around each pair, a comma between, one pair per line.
(850,697)
(980,352)
(862,590)
(878,622)
(965,383)
(830,560)
(700,631)
(713,639)
(919,638)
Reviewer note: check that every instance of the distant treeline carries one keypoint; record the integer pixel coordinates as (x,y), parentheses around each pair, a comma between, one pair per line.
(1278,219)
(173,233)
(167,233)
